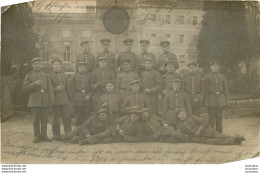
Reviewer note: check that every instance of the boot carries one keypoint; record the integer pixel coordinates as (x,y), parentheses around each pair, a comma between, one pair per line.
(83,142)
(45,138)
(36,140)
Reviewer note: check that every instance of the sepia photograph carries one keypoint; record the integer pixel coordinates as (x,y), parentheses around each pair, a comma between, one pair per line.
(130,82)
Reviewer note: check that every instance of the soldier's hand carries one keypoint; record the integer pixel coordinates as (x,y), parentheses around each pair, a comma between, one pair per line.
(164,92)
(228,103)
(87,136)
(156,134)
(196,100)
(178,131)
(59,88)
(146,90)
(166,125)
(87,98)
(38,82)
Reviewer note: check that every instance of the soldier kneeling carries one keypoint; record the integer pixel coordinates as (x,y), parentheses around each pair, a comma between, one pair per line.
(198,130)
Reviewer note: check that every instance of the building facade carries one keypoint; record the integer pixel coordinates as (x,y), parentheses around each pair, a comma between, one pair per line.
(60,30)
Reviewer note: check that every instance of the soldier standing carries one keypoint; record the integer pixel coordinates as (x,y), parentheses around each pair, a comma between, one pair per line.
(165,57)
(194,87)
(173,101)
(112,99)
(82,94)
(111,59)
(99,78)
(39,85)
(123,79)
(85,56)
(152,84)
(144,53)
(136,100)
(62,97)
(128,54)
(216,94)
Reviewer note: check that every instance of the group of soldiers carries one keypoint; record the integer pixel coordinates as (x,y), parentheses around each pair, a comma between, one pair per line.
(129,99)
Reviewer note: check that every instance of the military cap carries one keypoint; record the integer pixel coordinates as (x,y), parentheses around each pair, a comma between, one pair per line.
(144,110)
(164,43)
(82,63)
(35,60)
(102,58)
(128,41)
(148,59)
(104,105)
(123,60)
(194,63)
(215,62)
(135,111)
(177,80)
(84,42)
(56,60)
(180,110)
(135,82)
(170,63)
(144,42)
(105,41)
(101,110)
(110,82)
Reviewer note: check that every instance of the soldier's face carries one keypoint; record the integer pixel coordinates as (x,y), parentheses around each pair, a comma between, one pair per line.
(170,68)
(37,66)
(145,116)
(85,47)
(135,88)
(214,68)
(102,63)
(109,87)
(165,48)
(102,116)
(106,47)
(81,68)
(144,47)
(176,86)
(128,47)
(56,66)
(126,66)
(148,65)
(134,118)
(192,68)
(182,115)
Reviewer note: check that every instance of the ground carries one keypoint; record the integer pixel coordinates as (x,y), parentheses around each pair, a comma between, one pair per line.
(17,147)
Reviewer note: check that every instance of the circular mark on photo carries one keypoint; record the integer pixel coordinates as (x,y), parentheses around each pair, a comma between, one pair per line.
(116,20)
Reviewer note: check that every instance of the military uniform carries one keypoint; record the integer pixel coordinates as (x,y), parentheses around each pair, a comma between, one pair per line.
(40,97)
(132,132)
(93,125)
(173,101)
(166,57)
(153,130)
(216,94)
(152,80)
(61,106)
(100,78)
(80,88)
(194,87)
(168,78)
(208,135)
(123,82)
(135,101)
(134,61)
(111,59)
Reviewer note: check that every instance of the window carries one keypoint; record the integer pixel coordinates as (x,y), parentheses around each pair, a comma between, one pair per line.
(195,20)
(153,18)
(181,20)
(66,51)
(45,52)
(153,35)
(168,19)
(181,39)
(168,35)
(182,58)
(66,34)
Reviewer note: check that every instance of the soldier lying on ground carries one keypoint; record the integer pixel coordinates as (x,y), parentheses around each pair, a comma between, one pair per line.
(155,128)
(128,129)
(198,130)
(93,125)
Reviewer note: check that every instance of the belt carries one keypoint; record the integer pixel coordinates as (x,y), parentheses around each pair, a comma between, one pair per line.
(42,91)
(192,92)
(217,93)
(81,91)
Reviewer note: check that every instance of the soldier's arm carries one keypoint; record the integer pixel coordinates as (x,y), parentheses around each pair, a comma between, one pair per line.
(114,64)
(120,120)
(50,89)
(155,63)
(28,86)
(94,62)
(187,104)
(206,86)
(118,81)
(112,76)
(136,138)
(76,64)
(202,89)
(225,87)
(175,61)
(67,88)
(93,80)
(165,106)
(73,87)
